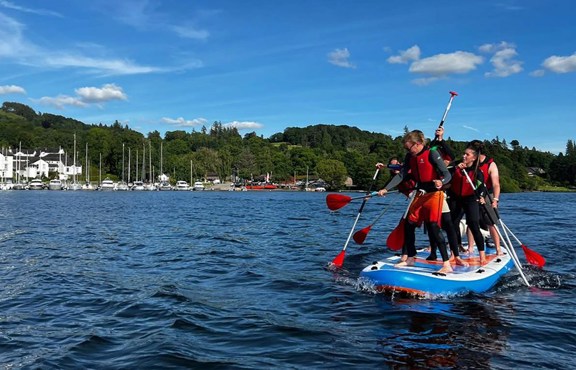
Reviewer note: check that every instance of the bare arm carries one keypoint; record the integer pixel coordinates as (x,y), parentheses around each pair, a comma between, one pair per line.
(495,177)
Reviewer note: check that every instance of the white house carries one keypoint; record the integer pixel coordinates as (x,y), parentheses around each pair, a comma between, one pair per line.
(37,163)
(6,167)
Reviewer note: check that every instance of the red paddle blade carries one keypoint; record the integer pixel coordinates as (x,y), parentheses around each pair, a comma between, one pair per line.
(395,240)
(337,201)
(360,235)
(339,259)
(534,258)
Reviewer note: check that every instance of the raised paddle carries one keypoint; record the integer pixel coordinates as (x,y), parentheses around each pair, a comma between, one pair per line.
(360,235)
(336,201)
(395,240)
(339,259)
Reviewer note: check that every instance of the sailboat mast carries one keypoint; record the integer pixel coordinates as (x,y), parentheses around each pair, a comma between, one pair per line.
(74,173)
(87,171)
(128,165)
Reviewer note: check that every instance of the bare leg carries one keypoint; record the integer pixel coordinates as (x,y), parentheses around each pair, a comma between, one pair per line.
(496,238)
(470,238)
(482,258)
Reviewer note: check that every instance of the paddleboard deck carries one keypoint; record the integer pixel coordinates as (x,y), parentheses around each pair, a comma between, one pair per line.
(423,278)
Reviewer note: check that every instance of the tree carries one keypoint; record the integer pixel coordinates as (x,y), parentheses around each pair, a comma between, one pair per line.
(333,172)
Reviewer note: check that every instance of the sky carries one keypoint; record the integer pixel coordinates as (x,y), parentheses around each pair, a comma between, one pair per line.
(263,66)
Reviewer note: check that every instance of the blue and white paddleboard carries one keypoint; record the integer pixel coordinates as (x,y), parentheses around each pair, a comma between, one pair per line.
(422,279)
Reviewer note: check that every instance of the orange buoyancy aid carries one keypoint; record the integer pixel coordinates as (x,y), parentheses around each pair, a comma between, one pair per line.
(460,184)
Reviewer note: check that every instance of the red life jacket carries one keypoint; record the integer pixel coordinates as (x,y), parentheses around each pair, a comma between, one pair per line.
(460,184)
(484,167)
(421,167)
(406,187)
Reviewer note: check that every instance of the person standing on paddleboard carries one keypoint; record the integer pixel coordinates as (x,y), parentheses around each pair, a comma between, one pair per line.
(492,181)
(469,195)
(427,168)
(452,233)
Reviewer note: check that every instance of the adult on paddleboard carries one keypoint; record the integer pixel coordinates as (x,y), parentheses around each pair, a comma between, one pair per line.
(492,181)
(468,198)
(452,232)
(429,171)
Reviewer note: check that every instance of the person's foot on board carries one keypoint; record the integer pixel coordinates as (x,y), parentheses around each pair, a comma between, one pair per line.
(408,262)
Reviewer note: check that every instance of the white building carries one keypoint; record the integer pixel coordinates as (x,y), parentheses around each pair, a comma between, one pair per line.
(6,167)
(29,164)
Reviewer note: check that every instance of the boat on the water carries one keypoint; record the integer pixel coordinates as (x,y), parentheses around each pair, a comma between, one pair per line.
(164,186)
(55,184)
(138,186)
(198,186)
(182,185)
(423,279)
(122,186)
(107,185)
(36,184)
(261,186)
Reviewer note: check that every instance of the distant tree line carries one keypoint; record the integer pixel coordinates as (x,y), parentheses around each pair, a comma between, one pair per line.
(330,152)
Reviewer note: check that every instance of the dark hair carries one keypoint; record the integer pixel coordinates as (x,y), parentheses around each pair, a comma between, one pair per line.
(476,145)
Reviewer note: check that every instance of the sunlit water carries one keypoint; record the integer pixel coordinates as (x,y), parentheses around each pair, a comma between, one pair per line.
(241,280)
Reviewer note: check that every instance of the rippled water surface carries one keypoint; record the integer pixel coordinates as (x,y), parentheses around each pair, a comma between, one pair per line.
(241,280)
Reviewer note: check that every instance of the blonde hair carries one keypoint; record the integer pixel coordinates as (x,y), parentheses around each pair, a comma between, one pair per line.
(414,136)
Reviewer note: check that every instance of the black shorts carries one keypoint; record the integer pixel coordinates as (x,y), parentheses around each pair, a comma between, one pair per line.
(485,220)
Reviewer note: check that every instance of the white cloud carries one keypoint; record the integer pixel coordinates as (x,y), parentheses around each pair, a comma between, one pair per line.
(244,125)
(98,95)
(558,64)
(405,56)
(180,121)
(61,101)
(340,58)
(459,62)
(108,67)
(503,59)
(538,73)
(11,89)
(10,5)
(425,81)
(15,47)
(471,128)
(85,96)
(191,32)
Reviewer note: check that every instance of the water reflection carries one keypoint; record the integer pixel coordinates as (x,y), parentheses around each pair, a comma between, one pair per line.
(464,333)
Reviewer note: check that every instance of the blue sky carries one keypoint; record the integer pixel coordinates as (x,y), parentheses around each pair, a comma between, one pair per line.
(267,65)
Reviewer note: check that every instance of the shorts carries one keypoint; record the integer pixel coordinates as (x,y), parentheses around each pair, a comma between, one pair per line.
(427,207)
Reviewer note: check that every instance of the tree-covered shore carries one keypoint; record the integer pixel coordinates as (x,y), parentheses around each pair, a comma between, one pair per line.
(330,152)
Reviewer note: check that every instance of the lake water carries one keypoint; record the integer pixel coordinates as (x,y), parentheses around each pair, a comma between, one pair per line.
(239,280)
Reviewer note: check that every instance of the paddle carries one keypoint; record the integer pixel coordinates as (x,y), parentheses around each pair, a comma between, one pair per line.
(533,257)
(452,95)
(494,217)
(360,235)
(395,240)
(339,259)
(336,201)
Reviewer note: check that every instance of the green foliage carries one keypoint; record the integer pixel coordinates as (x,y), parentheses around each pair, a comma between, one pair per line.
(327,151)
(333,172)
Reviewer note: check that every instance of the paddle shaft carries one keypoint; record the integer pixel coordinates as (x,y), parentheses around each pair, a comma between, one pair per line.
(340,256)
(452,95)
(506,242)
